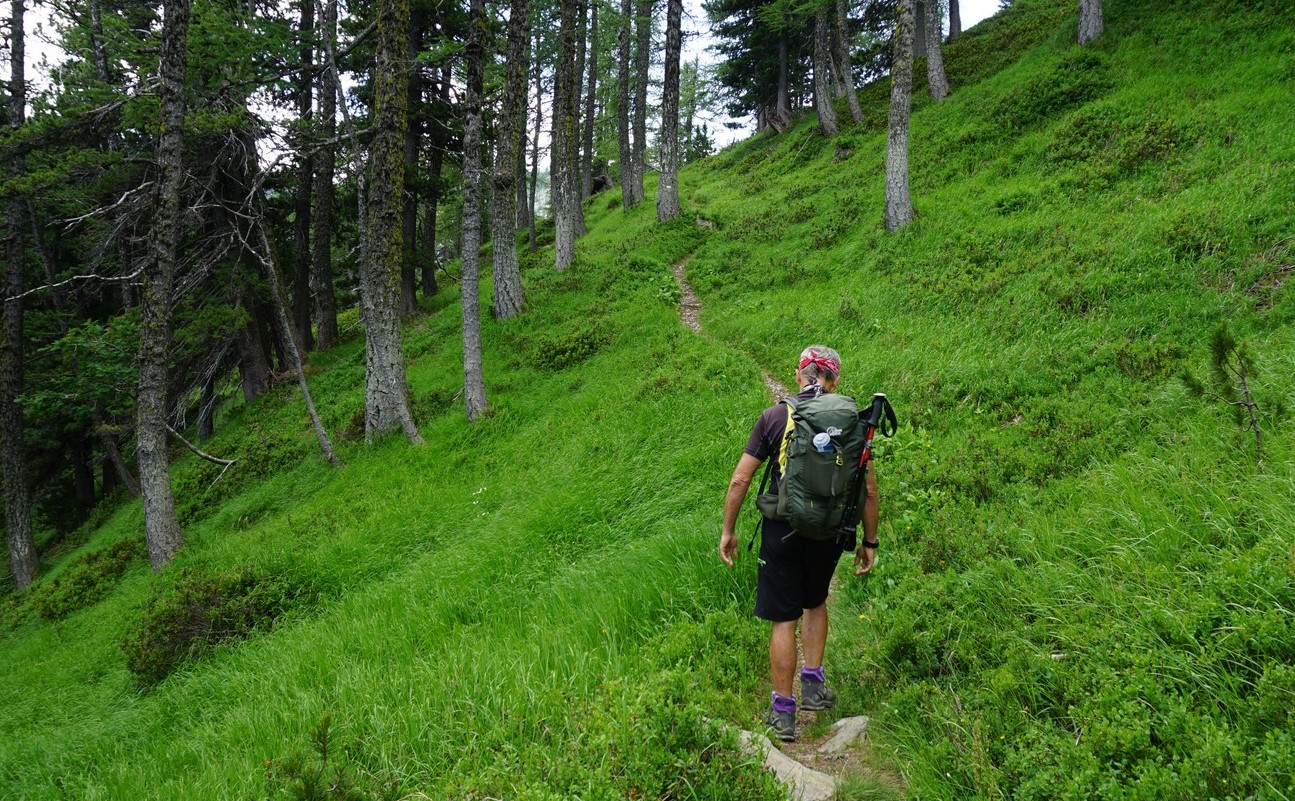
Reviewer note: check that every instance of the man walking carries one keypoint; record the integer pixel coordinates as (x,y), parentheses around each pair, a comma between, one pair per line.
(795,572)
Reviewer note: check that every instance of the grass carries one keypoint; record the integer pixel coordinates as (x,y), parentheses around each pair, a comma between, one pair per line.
(1085,590)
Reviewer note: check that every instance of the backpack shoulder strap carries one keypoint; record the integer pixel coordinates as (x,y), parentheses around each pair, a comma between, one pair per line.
(786,436)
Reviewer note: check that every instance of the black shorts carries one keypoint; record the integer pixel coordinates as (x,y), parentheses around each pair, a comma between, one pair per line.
(795,573)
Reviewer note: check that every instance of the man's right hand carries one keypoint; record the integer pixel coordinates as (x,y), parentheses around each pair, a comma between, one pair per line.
(728,547)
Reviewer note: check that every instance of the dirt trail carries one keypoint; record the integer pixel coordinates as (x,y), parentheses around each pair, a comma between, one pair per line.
(690,313)
(805,750)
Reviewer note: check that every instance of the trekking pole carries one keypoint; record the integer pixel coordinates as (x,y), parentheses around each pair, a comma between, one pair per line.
(882,416)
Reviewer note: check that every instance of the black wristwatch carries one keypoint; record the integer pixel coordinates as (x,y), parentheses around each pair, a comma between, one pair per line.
(872,545)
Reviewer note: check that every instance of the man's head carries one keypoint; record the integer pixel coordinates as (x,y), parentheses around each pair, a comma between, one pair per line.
(820,365)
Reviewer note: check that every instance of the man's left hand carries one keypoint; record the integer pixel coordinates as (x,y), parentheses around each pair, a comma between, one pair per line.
(864,559)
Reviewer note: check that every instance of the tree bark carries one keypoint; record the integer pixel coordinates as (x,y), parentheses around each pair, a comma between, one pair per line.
(899,206)
(935,76)
(823,77)
(565,175)
(782,104)
(667,196)
(591,93)
(509,298)
(624,80)
(325,170)
(845,65)
(533,184)
(955,20)
(642,64)
(436,161)
(409,206)
(301,300)
(386,395)
(1090,21)
(23,558)
(474,387)
(161,527)
(919,21)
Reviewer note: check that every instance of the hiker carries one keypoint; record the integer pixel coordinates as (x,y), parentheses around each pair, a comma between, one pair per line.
(795,571)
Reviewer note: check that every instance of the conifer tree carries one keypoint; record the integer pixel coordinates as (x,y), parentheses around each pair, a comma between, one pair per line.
(667,198)
(474,387)
(511,133)
(161,526)
(899,206)
(23,559)
(386,397)
(935,77)
(823,77)
(1090,21)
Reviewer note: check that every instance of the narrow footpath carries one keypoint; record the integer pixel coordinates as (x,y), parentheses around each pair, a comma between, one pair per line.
(811,766)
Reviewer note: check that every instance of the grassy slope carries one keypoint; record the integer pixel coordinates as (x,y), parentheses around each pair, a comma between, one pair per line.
(1085,586)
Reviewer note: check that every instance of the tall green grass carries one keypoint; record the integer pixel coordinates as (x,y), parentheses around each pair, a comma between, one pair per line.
(1085,588)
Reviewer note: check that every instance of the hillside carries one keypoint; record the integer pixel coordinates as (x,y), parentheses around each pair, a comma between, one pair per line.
(1087,583)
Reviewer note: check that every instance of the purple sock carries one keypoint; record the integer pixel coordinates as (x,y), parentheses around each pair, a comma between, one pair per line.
(782,703)
(813,674)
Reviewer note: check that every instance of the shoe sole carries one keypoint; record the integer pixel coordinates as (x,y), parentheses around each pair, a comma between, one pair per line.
(817,707)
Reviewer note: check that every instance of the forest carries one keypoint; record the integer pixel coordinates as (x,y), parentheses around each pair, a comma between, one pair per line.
(353,445)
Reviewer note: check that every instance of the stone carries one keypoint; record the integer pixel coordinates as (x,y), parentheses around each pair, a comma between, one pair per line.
(847,732)
(802,783)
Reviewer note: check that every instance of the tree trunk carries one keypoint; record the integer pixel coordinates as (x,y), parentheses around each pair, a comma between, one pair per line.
(564,173)
(386,395)
(301,300)
(253,354)
(436,161)
(325,169)
(509,299)
(1090,21)
(161,527)
(845,64)
(935,77)
(782,107)
(587,143)
(899,206)
(409,207)
(82,472)
(642,64)
(624,79)
(474,386)
(119,468)
(23,558)
(535,148)
(955,20)
(919,20)
(207,406)
(667,196)
(823,77)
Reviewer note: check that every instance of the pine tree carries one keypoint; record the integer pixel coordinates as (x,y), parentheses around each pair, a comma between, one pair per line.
(161,526)
(386,397)
(667,198)
(511,133)
(474,387)
(935,77)
(823,77)
(899,206)
(1090,21)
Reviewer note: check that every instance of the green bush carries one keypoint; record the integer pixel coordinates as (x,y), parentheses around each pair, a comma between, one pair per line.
(190,617)
(1079,77)
(559,351)
(90,578)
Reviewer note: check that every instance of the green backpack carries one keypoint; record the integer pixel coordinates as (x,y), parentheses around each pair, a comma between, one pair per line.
(817,481)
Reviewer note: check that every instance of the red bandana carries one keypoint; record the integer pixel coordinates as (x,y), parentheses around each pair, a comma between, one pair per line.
(823,364)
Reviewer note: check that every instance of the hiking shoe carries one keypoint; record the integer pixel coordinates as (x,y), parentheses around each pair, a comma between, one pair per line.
(816,696)
(783,724)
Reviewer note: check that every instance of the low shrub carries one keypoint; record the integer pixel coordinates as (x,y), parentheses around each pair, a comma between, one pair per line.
(88,580)
(198,612)
(559,351)
(1079,77)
